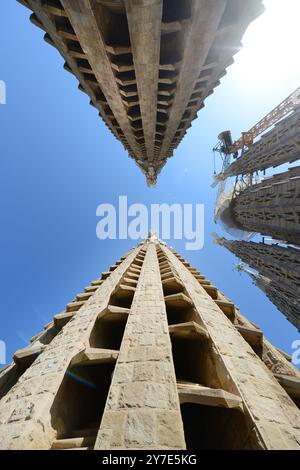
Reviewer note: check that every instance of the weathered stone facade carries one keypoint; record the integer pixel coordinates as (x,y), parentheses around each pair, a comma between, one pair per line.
(282,299)
(150,356)
(271,207)
(147,65)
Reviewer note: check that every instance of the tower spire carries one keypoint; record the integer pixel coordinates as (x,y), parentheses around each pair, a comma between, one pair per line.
(150,356)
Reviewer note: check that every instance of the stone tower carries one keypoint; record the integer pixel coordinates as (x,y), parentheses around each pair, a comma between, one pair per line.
(278,273)
(146,65)
(271,207)
(150,356)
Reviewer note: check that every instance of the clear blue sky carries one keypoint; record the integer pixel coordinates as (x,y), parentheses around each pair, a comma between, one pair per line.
(58,162)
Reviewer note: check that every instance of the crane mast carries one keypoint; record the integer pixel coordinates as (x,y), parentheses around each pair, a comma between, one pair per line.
(280,111)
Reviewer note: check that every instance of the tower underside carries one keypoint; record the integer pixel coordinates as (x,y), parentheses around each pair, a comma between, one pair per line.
(147,66)
(150,356)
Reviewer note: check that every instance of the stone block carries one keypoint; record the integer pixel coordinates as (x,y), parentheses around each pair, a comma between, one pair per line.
(140,429)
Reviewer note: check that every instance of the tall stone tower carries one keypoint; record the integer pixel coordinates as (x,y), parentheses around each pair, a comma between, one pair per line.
(147,65)
(150,356)
(278,273)
(271,207)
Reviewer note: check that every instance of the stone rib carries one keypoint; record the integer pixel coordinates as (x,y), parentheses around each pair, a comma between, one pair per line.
(200,30)
(144,21)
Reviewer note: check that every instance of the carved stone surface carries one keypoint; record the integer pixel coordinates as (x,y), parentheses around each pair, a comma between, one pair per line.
(147,66)
(271,207)
(163,364)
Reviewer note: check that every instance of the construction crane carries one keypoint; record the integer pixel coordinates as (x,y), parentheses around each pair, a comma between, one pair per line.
(230,150)
(225,145)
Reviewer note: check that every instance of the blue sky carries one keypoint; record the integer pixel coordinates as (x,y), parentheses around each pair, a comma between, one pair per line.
(59,162)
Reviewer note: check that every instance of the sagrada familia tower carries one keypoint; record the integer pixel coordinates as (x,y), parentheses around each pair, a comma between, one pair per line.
(278,273)
(147,65)
(152,355)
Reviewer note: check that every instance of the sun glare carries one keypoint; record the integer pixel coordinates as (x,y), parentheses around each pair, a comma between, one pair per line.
(270,56)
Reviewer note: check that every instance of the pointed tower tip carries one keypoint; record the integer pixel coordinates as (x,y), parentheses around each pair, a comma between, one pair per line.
(153,238)
(217,239)
(151,176)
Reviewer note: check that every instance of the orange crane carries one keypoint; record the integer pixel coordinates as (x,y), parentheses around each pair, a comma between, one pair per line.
(284,108)
(228,149)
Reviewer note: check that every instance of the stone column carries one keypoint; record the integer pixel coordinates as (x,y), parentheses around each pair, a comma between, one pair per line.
(142,410)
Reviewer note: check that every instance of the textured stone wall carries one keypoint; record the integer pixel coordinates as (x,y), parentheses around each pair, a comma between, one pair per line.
(271,207)
(142,410)
(171,303)
(25,418)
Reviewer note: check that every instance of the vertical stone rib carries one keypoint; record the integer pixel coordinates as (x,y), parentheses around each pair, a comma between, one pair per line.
(201,30)
(82,15)
(144,20)
(142,410)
